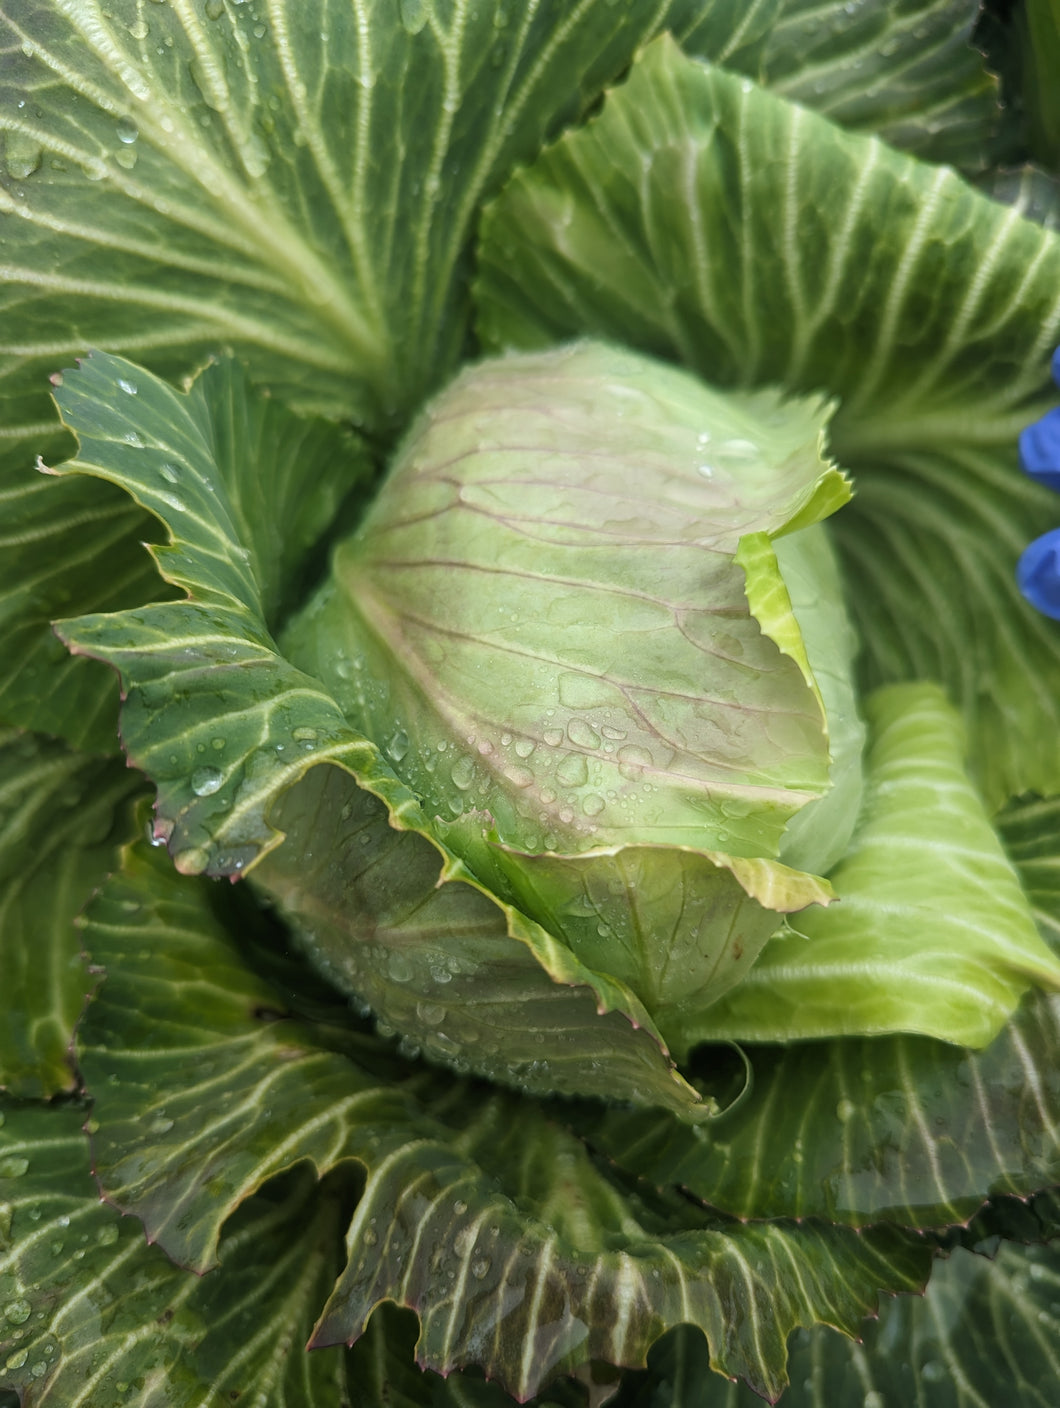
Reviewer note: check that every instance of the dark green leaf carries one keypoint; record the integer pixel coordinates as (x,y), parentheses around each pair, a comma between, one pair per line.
(987,1334)
(884,1127)
(63,816)
(903,69)
(64,547)
(185,180)
(711,222)
(479,1211)
(1034,193)
(92,1317)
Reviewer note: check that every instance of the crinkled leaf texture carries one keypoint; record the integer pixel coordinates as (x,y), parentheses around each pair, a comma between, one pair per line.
(181,179)
(518,1251)
(147,1332)
(224,725)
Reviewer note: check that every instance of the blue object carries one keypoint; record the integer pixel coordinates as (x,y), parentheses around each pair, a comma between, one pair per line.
(1056,366)
(1040,445)
(1038,574)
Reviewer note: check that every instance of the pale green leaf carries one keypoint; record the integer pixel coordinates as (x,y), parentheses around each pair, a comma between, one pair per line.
(704,219)
(504,597)
(932,932)
(63,816)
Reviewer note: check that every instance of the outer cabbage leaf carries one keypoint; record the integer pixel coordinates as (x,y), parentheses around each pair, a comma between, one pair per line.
(903,1127)
(62,817)
(705,220)
(177,179)
(985,1334)
(932,933)
(223,724)
(903,69)
(147,1332)
(517,1250)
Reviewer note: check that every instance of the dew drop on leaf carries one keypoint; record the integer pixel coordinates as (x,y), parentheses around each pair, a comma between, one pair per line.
(127,131)
(17,1311)
(14,1166)
(206,781)
(193,861)
(169,472)
(582,734)
(413,15)
(463,773)
(398,745)
(573,771)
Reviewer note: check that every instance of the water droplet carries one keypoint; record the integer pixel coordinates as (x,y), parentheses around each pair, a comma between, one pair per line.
(16,1360)
(573,771)
(844,1110)
(480,1267)
(132,438)
(22,155)
(934,1371)
(463,773)
(592,805)
(172,501)
(107,1236)
(524,747)
(214,9)
(632,759)
(169,472)
(255,156)
(369,1236)
(139,29)
(553,737)
(582,734)
(193,861)
(705,470)
(459,1207)
(413,15)
(126,158)
(206,781)
(217,744)
(14,1166)
(432,1013)
(874,1400)
(17,1311)
(303,734)
(399,968)
(616,734)
(398,745)
(127,131)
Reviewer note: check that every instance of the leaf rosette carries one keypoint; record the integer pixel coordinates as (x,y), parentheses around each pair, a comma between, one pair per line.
(579,611)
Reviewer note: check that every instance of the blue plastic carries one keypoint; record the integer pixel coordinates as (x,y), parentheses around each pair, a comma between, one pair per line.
(1038,574)
(1040,448)
(1056,366)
